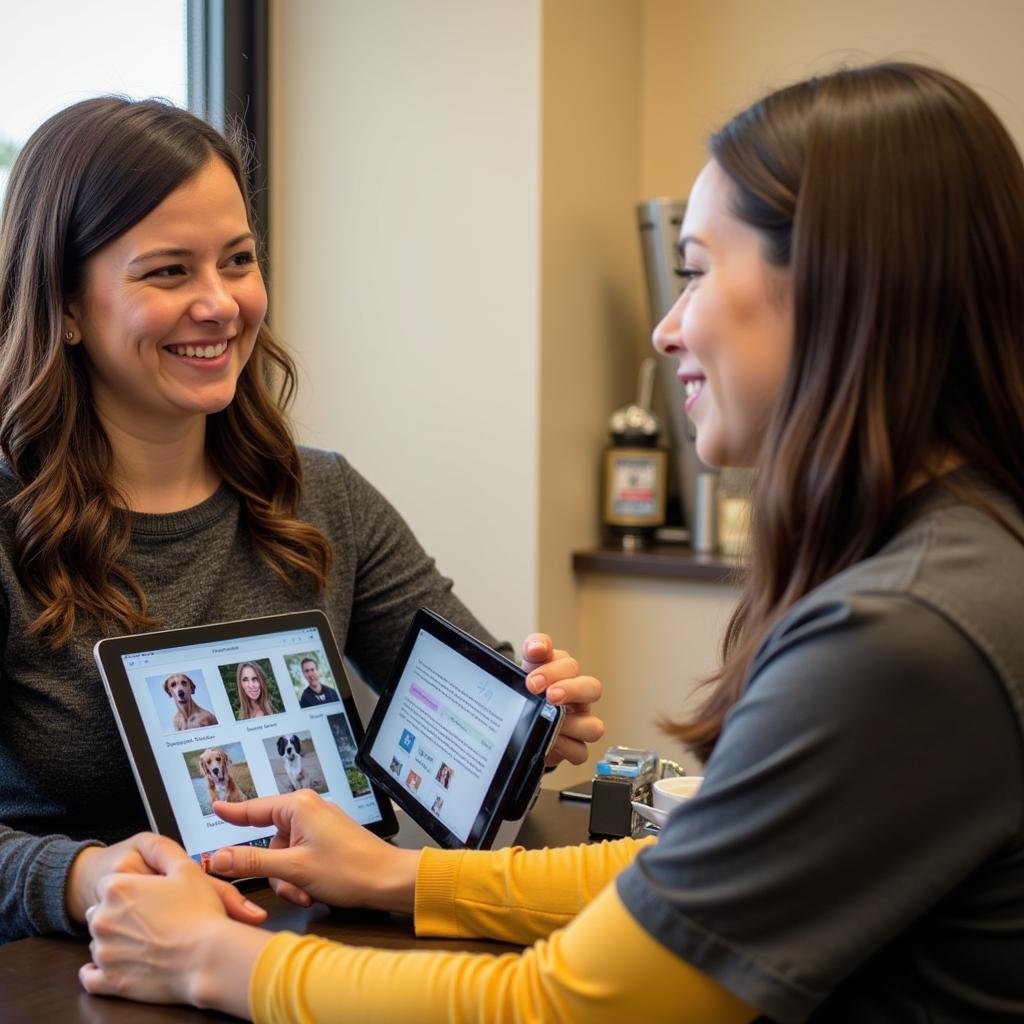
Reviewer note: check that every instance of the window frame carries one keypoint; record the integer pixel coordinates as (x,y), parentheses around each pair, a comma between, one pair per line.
(228,56)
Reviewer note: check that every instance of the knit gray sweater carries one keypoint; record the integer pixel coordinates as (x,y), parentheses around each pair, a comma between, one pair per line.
(64,777)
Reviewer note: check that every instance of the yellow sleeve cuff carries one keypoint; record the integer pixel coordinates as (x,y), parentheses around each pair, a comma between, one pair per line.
(515,895)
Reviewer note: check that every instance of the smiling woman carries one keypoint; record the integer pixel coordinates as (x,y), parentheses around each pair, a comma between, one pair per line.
(736,316)
(149,476)
(168,315)
(157,252)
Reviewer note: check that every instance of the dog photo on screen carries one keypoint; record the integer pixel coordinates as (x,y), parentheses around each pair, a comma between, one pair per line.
(219,773)
(295,762)
(182,700)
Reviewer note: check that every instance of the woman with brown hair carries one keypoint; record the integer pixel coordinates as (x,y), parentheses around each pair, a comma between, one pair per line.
(150,477)
(852,324)
(253,691)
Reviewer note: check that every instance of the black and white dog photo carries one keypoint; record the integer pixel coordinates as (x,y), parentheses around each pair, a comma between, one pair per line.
(290,749)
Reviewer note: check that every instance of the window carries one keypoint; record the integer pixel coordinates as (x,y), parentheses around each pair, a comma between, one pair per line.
(56,53)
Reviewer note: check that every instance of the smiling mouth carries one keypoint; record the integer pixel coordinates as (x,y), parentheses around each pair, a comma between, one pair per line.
(210,351)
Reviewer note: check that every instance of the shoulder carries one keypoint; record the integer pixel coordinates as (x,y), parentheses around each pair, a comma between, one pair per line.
(950,570)
(320,465)
(329,485)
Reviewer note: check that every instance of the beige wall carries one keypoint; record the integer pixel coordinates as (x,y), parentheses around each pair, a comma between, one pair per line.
(593,314)
(405,157)
(705,61)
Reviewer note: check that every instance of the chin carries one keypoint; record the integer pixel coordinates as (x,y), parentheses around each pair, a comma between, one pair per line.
(709,451)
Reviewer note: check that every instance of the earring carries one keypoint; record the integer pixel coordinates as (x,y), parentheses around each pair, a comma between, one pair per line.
(69,335)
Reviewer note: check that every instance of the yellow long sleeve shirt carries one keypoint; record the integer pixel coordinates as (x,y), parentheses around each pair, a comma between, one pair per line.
(589,960)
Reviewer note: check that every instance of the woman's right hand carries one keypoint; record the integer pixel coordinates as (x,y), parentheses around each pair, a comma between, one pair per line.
(319,853)
(130,857)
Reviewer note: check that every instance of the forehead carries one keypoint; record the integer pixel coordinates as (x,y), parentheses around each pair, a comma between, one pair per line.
(709,218)
(205,209)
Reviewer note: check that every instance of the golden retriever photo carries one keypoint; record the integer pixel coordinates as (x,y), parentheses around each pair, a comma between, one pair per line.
(188,715)
(220,773)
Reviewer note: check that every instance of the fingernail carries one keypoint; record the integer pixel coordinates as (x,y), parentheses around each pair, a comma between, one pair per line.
(222,861)
(535,683)
(536,647)
(556,695)
(255,908)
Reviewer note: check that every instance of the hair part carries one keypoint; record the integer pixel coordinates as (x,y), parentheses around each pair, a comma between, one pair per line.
(86,176)
(895,197)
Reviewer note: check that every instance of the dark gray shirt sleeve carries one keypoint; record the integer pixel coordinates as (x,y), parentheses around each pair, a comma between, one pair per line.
(872,763)
(33,874)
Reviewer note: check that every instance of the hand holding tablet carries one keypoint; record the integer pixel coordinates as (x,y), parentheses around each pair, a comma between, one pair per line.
(457,739)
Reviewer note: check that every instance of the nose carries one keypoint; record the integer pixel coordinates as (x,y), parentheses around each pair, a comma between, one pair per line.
(667,337)
(214,301)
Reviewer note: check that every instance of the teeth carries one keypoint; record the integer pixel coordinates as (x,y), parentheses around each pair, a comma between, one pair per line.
(691,387)
(200,351)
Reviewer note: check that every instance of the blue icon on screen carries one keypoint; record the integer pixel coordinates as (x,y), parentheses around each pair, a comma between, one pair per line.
(407,741)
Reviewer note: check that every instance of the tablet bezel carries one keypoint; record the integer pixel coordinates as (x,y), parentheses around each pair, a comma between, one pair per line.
(519,766)
(109,653)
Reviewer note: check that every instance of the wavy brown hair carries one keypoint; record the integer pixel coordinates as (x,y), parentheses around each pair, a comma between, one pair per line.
(84,177)
(896,199)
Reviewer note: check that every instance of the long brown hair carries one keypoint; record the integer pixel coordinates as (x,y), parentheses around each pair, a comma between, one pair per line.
(246,705)
(896,199)
(84,177)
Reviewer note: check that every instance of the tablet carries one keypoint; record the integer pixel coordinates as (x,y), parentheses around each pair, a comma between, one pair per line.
(456,739)
(237,710)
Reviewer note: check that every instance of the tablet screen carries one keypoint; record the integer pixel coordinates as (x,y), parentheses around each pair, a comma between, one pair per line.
(234,711)
(451,729)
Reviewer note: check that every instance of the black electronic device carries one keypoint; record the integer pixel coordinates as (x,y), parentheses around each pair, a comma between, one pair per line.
(457,740)
(235,710)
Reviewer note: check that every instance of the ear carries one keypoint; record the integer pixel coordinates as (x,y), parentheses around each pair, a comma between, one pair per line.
(280,744)
(203,768)
(71,323)
(192,686)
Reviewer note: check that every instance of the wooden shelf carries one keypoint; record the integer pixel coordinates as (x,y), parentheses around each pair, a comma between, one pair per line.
(675,561)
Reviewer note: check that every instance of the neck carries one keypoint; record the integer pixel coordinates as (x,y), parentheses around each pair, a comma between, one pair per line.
(166,474)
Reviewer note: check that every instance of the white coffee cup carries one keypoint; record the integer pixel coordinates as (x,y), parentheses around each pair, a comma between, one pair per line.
(675,789)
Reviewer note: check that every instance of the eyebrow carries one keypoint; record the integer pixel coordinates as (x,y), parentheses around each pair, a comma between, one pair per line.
(686,240)
(157,253)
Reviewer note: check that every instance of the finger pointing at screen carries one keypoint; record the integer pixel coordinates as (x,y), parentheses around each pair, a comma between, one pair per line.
(318,853)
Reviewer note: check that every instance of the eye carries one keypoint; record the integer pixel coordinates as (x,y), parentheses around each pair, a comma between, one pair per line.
(688,274)
(242,259)
(172,270)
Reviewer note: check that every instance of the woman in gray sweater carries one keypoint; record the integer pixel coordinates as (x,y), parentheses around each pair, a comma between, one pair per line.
(150,478)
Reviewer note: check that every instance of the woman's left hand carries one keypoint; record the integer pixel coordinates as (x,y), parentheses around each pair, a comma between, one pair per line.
(166,938)
(557,674)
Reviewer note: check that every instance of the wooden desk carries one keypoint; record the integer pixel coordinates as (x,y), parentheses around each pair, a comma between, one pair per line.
(39,977)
